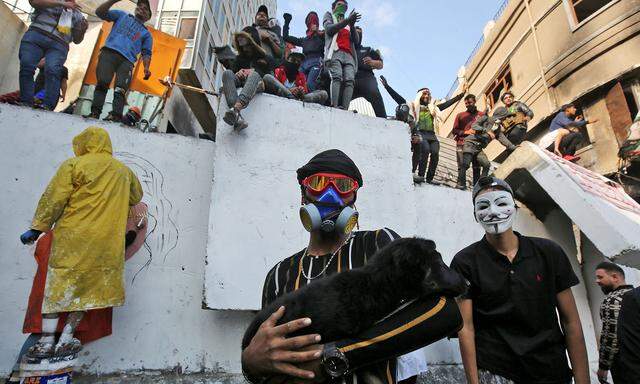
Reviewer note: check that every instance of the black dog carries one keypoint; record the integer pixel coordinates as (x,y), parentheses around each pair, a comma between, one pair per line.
(350,302)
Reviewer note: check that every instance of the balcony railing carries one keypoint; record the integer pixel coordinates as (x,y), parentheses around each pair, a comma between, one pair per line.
(476,48)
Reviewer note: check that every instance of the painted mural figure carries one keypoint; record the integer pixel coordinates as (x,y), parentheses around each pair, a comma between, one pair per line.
(329,184)
(86,203)
(518,285)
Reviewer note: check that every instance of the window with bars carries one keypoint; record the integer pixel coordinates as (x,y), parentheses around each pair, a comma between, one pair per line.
(580,10)
(501,84)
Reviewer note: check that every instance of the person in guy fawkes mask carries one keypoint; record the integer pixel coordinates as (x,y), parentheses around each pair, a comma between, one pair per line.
(289,81)
(329,184)
(518,285)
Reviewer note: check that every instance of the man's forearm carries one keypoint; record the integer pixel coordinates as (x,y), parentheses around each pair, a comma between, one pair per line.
(103,8)
(146,62)
(577,352)
(466,339)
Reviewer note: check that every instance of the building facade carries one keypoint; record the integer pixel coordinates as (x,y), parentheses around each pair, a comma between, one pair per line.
(552,52)
(203,24)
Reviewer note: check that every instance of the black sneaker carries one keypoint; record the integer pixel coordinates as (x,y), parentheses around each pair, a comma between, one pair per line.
(240,123)
(433,182)
(92,115)
(113,117)
(231,117)
(461,187)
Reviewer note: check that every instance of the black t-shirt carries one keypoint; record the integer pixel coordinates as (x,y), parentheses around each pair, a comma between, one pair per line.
(363,69)
(40,78)
(627,360)
(516,325)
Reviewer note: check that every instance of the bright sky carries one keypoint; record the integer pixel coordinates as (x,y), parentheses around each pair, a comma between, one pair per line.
(423,42)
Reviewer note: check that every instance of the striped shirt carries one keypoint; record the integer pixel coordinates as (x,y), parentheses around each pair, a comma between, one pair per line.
(403,331)
(609,311)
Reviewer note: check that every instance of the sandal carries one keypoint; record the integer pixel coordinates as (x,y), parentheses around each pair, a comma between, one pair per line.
(71,347)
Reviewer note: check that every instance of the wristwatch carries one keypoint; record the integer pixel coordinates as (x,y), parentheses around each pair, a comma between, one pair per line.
(334,362)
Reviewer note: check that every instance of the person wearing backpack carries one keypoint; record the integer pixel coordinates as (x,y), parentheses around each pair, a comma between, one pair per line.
(54,25)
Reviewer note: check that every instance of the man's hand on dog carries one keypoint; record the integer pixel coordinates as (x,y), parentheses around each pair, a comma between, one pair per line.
(271,352)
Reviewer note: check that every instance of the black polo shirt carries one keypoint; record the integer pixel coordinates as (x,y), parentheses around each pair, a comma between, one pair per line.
(517,330)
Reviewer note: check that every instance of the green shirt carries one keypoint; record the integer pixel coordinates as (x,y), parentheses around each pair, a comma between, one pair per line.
(426,120)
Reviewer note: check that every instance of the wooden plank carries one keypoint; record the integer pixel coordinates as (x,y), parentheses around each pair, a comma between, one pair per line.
(618,112)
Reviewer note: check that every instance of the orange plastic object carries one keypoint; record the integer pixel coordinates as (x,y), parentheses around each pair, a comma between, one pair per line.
(165,61)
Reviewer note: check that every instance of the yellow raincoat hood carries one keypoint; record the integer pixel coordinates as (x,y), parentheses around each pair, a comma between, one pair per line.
(92,140)
(87,203)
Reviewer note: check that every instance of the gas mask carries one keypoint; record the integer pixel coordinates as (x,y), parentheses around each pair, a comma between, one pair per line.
(402,112)
(328,213)
(495,211)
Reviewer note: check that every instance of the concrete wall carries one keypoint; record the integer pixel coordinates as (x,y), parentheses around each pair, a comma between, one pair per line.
(11,30)
(163,325)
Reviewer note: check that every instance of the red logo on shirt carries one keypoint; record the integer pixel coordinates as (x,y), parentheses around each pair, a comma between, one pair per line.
(538,277)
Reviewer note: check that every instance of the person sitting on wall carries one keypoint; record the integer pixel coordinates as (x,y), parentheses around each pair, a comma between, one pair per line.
(128,38)
(516,127)
(86,203)
(563,142)
(485,129)
(225,56)
(312,47)
(329,185)
(291,83)
(269,32)
(54,25)
(247,70)
(567,116)
(518,287)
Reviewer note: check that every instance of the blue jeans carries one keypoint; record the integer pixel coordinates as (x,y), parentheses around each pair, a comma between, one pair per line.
(34,46)
(311,69)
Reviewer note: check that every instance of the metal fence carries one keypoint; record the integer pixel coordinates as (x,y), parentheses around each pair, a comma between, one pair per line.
(476,48)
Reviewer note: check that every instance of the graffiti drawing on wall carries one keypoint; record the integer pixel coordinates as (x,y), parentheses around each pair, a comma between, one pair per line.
(163,234)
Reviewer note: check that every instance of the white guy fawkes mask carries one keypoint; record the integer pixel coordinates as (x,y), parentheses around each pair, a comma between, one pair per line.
(495,211)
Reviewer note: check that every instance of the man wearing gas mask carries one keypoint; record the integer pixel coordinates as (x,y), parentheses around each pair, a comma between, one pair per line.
(485,129)
(329,184)
(517,285)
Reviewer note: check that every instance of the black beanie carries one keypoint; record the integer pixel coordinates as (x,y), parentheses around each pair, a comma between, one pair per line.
(330,161)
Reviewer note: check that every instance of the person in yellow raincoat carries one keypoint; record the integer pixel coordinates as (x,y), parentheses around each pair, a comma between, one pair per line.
(86,203)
